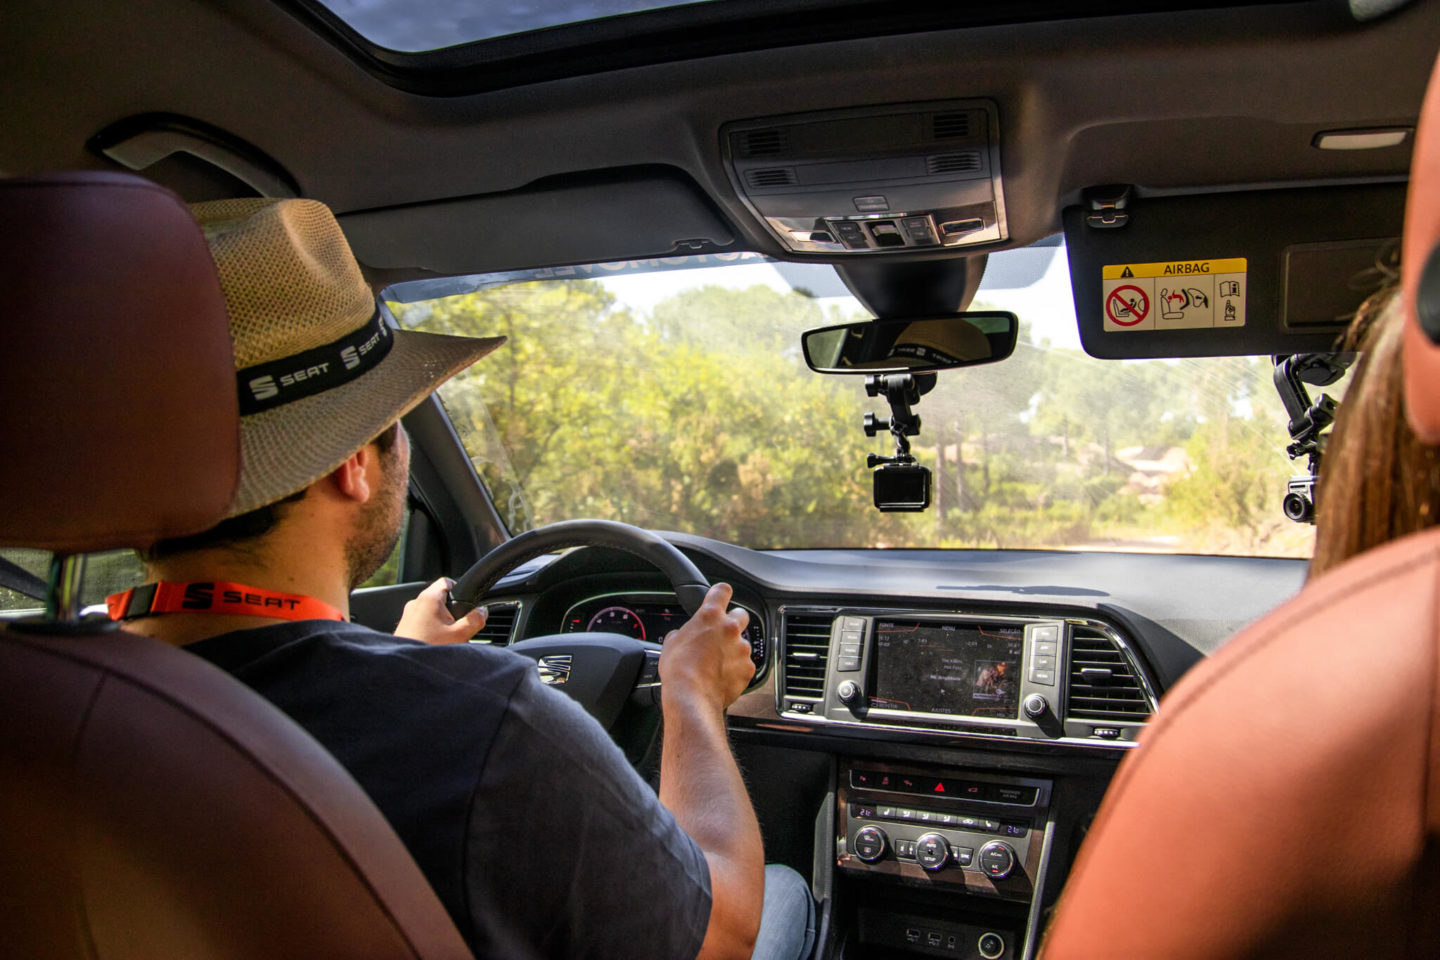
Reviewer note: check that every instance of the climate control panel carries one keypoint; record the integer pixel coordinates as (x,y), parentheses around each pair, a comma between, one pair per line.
(979,831)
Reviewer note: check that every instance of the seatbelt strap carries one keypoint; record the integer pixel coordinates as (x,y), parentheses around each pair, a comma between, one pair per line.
(17,578)
(216,596)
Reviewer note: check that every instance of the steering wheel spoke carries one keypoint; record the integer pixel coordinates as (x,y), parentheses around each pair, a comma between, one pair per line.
(601,671)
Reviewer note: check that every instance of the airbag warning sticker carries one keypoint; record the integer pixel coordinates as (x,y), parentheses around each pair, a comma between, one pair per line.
(1175,295)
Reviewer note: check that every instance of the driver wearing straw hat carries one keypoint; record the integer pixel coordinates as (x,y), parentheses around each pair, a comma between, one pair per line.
(514,802)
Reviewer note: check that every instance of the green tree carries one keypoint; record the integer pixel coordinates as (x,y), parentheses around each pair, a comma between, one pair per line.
(699,416)
(594,411)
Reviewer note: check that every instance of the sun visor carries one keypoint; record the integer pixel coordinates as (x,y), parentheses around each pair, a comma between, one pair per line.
(1260,272)
(639,213)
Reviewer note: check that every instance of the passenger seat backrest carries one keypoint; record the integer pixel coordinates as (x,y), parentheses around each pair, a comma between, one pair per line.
(153,806)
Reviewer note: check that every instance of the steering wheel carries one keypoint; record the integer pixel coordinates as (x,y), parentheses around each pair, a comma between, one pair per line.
(599,670)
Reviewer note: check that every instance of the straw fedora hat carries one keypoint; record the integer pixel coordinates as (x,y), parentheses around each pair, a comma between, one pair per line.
(319,369)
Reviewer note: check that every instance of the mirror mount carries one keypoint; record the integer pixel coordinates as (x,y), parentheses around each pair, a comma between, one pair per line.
(898,358)
(1307,421)
(901,391)
(901,483)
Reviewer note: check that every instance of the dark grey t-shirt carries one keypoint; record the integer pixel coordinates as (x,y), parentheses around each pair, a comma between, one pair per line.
(538,836)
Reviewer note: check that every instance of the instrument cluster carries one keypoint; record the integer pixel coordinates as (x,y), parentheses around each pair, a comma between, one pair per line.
(649,616)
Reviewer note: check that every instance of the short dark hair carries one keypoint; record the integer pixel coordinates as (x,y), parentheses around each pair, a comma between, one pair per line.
(234,532)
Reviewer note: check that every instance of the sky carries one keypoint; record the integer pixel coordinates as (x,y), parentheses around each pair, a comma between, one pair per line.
(431,24)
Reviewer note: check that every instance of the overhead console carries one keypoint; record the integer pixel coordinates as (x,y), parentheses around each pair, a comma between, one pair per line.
(908,673)
(873,180)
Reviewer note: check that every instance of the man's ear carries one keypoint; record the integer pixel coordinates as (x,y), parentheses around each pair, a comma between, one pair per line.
(351,478)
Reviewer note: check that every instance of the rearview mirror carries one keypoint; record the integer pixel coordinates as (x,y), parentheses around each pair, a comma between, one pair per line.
(911,346)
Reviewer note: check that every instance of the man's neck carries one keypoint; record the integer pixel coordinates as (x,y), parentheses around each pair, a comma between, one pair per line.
(318,580)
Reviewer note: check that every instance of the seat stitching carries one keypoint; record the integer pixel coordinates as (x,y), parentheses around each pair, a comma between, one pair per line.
(82,906)
(1427,786)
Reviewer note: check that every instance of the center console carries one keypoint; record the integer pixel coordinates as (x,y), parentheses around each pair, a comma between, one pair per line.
(938,860)
(937,850)
(978,838)
(1068,681)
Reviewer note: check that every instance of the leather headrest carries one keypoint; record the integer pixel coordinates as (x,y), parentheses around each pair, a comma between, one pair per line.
(118,406)
(1420,272)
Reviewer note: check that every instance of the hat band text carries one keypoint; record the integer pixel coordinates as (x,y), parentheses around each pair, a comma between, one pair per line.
(278,382)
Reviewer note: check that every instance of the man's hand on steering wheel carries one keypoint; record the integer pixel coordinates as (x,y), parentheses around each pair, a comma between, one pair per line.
(708,659)
(426,618)
(711,663)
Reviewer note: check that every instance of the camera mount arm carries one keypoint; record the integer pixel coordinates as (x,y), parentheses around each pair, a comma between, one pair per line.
(901,390)
(901,483)
(1307,420)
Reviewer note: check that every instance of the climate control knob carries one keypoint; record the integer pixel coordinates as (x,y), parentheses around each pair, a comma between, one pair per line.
(997,858)
(870,844)
(932,852)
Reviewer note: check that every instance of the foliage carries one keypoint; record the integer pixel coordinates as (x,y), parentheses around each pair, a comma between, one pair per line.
(698,415)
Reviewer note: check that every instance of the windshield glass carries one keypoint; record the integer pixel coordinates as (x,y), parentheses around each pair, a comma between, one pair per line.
(673,395)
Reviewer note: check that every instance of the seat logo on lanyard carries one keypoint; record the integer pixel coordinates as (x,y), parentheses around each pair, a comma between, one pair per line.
(216,596)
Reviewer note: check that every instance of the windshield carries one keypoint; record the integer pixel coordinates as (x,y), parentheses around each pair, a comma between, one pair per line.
(673,395)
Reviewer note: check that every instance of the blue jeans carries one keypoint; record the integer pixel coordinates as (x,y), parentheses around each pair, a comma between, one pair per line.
(787,921)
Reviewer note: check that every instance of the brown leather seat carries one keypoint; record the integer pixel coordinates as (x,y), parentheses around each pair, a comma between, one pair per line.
(151,805)
(1286,800)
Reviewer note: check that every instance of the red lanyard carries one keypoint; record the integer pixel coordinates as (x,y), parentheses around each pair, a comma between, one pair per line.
(216,596)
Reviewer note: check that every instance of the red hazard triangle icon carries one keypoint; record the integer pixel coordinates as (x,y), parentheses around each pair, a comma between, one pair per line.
(939,788)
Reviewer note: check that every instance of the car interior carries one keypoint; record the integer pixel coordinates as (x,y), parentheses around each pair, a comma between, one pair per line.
(1191,183)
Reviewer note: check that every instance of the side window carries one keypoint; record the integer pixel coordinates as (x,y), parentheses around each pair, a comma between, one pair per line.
(117,570)
(105,573)
(111,572)
(36,562)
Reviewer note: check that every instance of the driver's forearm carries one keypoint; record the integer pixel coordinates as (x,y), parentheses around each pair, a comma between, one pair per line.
(702,787)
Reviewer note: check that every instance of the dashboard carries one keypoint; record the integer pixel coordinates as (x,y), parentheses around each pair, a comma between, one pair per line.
(929,733)
(1039,677)
(1017,648)
(914,671)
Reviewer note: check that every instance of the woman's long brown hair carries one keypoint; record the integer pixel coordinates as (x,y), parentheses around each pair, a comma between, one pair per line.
(1378,481)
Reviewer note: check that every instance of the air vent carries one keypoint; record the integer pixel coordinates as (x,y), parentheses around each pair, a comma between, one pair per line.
(1103,685)
(499,625)
(805,642)
(772,177)
(949,126)
(762,143)
(964,162)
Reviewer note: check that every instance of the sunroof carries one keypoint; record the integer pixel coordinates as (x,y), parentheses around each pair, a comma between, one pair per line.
(414,26)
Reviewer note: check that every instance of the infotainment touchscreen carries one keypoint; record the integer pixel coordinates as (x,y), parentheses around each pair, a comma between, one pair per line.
(957,668)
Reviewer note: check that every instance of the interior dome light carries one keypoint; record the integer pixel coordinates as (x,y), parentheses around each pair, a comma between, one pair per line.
(1372,139)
